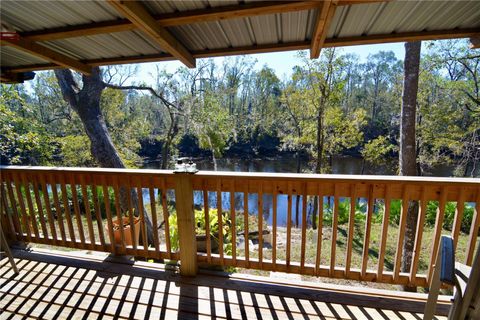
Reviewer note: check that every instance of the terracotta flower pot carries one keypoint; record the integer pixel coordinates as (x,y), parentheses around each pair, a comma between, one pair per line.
(117,235)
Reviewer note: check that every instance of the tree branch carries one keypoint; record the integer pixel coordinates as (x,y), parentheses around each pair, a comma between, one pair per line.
(144,88)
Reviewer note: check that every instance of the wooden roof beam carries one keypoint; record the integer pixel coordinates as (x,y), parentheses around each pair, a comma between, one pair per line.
(303,45)
(45,53)
(402,37)
(475,42)
(243,10)
(140,17)
(20,77)
(322,25)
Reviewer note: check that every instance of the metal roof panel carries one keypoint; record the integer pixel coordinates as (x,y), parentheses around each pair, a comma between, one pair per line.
(11,57)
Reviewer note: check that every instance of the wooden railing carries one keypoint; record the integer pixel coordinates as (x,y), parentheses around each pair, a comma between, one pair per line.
(78,208)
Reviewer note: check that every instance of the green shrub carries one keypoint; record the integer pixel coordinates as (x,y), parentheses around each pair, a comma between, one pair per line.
(449,217)
(200,227)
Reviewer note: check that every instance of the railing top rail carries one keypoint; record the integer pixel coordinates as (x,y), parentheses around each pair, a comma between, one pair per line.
(335,177)
(84,170)
(340,178)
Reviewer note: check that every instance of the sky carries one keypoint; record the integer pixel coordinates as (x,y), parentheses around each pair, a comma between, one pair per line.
(281,62)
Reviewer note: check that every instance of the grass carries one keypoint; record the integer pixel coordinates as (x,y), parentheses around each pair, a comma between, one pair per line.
(357,249)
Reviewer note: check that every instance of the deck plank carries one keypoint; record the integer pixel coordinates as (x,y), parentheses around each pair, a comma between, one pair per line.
(53,286)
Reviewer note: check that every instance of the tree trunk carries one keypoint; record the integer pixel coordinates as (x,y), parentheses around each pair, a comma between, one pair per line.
(408,158)
(297,204)
(86,103)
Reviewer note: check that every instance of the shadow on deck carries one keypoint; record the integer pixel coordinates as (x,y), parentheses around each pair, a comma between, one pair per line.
(59,285)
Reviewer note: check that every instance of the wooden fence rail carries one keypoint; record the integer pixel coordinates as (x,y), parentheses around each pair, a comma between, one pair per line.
(338,226)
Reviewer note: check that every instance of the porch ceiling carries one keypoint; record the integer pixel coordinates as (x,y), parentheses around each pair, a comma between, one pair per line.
(92,33)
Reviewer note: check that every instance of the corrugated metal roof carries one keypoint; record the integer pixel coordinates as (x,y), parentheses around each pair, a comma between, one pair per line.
(11,57)
(288,27)
(38,15)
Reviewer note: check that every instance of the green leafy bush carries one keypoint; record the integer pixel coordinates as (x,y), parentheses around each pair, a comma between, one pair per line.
(200,227)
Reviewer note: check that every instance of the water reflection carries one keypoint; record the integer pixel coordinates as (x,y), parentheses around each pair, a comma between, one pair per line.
(286,164)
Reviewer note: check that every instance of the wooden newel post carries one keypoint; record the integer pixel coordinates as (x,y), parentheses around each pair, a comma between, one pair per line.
(186,224)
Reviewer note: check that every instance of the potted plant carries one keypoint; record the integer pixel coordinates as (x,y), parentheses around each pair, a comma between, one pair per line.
(124,224)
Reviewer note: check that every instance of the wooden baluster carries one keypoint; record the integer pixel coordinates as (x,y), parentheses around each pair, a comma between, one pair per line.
(233,221)
(472,239)
(458,216)
(31,218)
(38,201)
(220,221)
(260,225)
(58,209)
(368,226)
(165,218)
(351,225)
(206,208)
(245,222)
(153,212)
(7,219)
(119,214)
(333,251)
(289,222)
(67,210)
(401,233)
(384,235)
(4,223)
(23,211)
(274,228)
(418,237)
(46,200)
(131,217)
(143,226)
(319,230)
(304,227)
(13,206)
(106,201)
(88,213)
(76,209)
(438,231)
(98,216)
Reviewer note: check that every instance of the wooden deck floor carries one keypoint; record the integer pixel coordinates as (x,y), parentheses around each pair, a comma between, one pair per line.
(61,286)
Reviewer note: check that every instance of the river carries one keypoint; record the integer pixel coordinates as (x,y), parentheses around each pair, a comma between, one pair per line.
(286,164)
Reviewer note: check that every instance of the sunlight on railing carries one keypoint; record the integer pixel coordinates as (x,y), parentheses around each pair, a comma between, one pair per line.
(339,226)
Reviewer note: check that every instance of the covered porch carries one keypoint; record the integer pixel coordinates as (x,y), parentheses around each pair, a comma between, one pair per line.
(98,210)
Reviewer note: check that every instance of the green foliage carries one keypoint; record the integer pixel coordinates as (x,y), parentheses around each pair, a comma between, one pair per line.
(375,151)
(212,124)
(344,212)
(126,124)
(449,215)
(76,151)
(431,214)
(329,106)
(23,140)
(200,227)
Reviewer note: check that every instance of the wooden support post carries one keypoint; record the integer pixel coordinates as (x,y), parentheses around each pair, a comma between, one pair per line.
(186,224)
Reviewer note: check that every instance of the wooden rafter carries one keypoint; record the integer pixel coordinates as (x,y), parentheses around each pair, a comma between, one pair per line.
(243,10)
(475,42)
(139,16)
(402,37)
(43,52)
(303,45)
(322,24)
(9,77)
